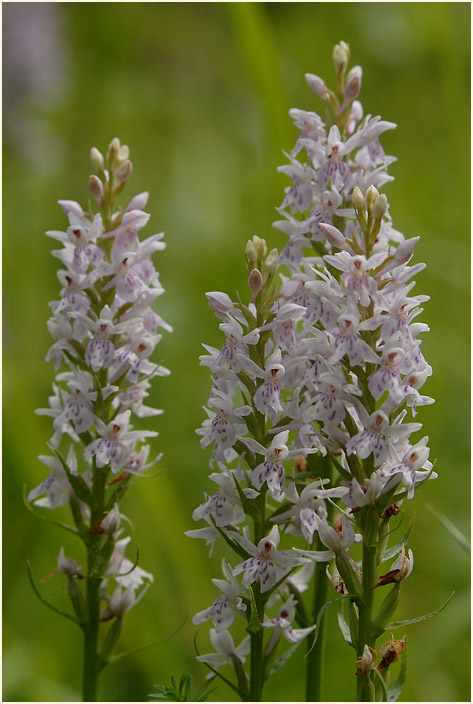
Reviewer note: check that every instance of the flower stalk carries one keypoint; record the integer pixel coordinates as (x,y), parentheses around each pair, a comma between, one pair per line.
(322,365)
(105,331)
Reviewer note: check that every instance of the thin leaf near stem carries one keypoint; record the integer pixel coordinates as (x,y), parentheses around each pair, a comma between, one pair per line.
(407,622)
(41,598)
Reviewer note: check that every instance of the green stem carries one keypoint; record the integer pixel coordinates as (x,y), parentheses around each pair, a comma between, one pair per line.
(365,687)
(315,652)
(91,660)
(256,672)
(91,667)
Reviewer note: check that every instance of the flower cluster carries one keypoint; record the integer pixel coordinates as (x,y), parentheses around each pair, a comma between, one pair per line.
(324,370)
(105,332)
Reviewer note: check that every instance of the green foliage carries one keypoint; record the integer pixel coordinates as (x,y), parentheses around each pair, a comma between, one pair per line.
(182,692)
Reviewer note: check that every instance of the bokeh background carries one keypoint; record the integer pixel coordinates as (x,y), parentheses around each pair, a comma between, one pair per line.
(201,93)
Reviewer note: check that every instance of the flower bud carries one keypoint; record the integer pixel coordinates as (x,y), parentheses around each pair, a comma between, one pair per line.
(317,85)
(250,255)
(255,281)
(112,151)
(124,171)
(341,56)
(404,252)
(219,302)
(352,88)
(271,261)
(371,196)
(70,206)
(255,252)
(365,663)
(96,159)
(358,199)
(334,236)
(112,520)
(123,152)
(96,188)
(138,202)
(379,207)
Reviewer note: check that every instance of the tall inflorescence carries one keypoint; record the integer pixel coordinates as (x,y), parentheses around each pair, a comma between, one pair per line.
(105,332)
(325,369)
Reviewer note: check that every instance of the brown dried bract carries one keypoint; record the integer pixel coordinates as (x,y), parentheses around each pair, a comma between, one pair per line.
(391,510)
(97,528)
(388,578)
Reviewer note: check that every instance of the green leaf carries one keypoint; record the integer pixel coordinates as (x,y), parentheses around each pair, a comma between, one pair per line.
(201,695)
(120,656)
(353,620)
(396,689)
(254,625)
(386,610)
(344,627)
(183,692)
(381,684)
(400,624)
(452,529)
(320,616)
(41,598)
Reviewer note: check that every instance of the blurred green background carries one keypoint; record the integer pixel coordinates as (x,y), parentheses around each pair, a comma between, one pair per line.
(201,92)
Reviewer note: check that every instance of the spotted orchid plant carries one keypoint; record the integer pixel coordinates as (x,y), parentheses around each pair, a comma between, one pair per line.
(104,331)
(309,416)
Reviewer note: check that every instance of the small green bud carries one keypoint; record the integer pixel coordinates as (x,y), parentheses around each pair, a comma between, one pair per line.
(96,159)
(379,207)
(112,152)
(123,172)
(371,196)
(260,246)
(255,252)
(123,153)
(271,262)
(341,56)
(358,199)
(250,255)
(96,188)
